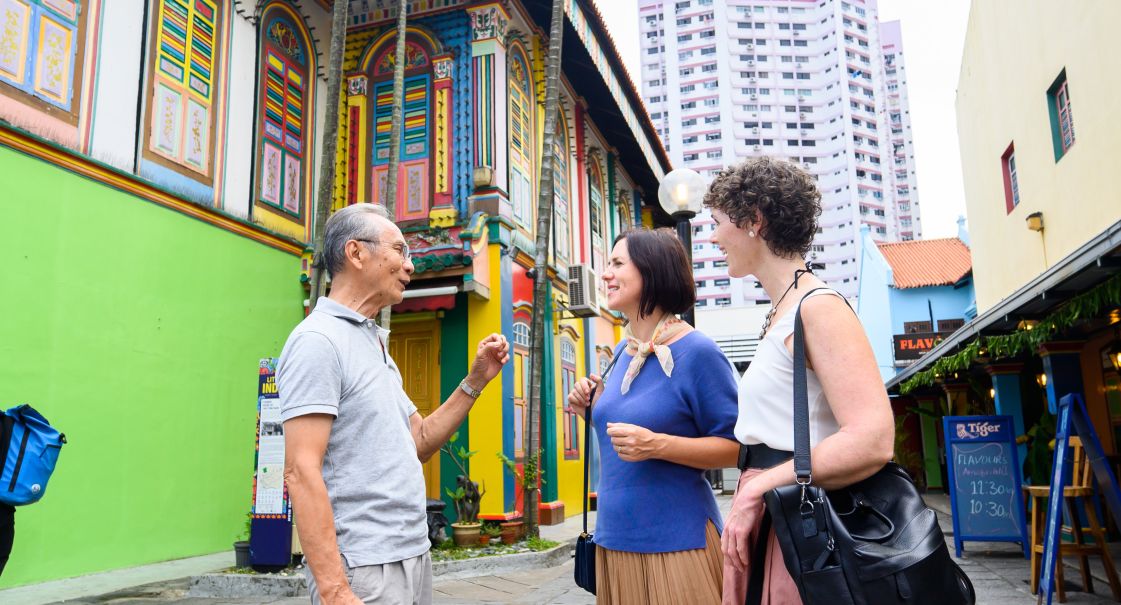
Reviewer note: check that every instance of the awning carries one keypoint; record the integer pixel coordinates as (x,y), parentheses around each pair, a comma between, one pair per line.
(1091,264)
(427,299)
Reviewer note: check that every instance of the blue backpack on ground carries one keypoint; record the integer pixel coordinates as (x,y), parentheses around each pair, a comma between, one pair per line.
(29,448)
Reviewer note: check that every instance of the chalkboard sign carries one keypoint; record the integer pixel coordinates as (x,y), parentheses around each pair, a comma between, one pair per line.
(984,470)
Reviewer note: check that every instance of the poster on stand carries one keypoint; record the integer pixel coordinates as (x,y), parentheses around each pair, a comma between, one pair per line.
(270,535)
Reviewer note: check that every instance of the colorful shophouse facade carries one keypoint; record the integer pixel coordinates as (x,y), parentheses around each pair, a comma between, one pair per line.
(467,198)
(160,161)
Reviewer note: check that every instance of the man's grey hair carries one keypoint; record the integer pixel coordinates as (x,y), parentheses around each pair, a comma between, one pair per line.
(352,222)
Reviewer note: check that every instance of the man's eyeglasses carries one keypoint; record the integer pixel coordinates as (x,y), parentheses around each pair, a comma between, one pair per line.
(401,247)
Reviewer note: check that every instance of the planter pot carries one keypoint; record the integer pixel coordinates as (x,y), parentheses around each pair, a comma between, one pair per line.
(512,531)
(241,554)
(466,534)
(484,540)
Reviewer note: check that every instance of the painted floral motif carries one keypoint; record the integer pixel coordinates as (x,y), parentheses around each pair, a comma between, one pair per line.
(414,188)
(414,57)
(198,129)
(292,184)
(433,238)
(13,39)
(270,189)
(54,61)
(286,40)
(165,121)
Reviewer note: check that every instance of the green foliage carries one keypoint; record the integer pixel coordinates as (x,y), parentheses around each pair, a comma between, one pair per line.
(539,544)
(244,535)
(1088,304)
(466,504)
(492,529)
(1037,462)
(531,472)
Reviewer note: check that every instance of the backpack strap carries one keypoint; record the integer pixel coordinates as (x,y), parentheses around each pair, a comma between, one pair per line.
(6,424)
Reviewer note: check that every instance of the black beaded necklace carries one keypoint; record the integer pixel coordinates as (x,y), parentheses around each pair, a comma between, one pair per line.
(774,307)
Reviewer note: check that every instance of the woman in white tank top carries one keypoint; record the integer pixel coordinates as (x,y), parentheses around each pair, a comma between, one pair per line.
(766,218)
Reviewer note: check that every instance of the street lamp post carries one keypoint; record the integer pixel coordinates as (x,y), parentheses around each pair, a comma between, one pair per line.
(681,195)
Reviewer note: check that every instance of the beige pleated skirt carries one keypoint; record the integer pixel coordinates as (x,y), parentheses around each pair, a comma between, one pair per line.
(686,577)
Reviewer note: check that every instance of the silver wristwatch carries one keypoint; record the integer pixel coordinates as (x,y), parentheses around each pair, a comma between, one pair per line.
(471,392)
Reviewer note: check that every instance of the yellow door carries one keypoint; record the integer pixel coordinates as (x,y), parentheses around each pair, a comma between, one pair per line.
(415,346)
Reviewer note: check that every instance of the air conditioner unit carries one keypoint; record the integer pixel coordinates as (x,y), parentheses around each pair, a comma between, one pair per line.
(797,33)
(753,97)
(753,80)
(801,98)
(582,293)
(750,47)
(751,63)
(755,130)
(757,148)
(801,115)
(798,65)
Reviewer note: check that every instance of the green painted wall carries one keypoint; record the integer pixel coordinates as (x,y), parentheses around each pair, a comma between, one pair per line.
(137,331)
(453,367)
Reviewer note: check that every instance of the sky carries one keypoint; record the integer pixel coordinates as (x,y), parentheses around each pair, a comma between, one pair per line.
(933,37)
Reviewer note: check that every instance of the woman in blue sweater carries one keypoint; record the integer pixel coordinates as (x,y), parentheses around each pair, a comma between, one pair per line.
(665,414)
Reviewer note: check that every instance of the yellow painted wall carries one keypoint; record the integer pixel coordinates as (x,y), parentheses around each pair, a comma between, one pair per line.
(485,419)
(1014,50)
(570,473)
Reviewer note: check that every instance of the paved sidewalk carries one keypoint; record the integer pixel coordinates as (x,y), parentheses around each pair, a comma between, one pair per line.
(998,570)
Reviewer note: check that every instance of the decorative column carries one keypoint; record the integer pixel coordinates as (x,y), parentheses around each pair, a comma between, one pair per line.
(931,452)
(580,195)
(611,201)
(357,92)
(1007,397)
(488,52)
(443,213)
(1062,364)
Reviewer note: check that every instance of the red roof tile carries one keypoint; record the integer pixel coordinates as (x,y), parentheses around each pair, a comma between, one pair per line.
(932,262)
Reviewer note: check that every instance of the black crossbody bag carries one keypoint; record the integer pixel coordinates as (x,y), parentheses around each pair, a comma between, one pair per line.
(874,542)
(585,571)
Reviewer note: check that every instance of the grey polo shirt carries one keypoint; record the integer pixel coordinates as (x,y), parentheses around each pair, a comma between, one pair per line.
(336,362)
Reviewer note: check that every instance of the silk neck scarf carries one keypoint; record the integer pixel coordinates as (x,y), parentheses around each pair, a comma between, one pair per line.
(666,330)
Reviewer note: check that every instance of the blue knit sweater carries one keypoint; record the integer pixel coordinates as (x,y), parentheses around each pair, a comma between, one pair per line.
(657,506)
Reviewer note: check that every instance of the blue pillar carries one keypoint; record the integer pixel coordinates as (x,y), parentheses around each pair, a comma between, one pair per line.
(1008,400)
(1062,364)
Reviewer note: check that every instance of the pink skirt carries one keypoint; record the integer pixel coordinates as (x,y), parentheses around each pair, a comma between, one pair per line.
(778,586)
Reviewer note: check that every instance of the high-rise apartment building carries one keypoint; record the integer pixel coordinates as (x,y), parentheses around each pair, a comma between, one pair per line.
(821,83)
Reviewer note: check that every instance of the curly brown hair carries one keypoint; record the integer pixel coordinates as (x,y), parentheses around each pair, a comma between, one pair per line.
(779,193)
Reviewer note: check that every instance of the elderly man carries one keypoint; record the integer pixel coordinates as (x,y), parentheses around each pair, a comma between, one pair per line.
(354,442)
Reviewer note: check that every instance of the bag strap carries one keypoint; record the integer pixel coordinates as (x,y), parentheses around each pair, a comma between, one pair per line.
(802,466)
(588,433)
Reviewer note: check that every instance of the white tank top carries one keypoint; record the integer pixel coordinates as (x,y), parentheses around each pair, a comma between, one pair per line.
(766,393)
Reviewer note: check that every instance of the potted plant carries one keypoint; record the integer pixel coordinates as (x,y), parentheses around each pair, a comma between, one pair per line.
(466,497)
(529,479)
(490,533)
(241,545)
